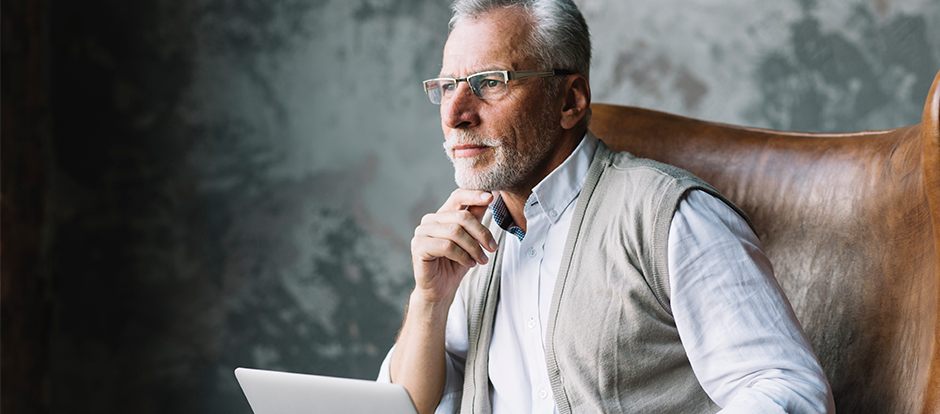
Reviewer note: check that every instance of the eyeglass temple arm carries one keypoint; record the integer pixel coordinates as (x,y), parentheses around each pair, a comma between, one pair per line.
(523,74)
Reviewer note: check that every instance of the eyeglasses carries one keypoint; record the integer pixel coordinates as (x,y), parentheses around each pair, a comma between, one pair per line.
(485,85)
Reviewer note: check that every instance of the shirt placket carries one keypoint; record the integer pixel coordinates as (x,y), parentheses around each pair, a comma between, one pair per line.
(533,248)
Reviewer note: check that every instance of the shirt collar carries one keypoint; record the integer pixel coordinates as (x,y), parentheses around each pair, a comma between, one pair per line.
(554,193)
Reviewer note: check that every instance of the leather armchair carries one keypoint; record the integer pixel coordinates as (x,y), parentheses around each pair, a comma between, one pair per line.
(851,223)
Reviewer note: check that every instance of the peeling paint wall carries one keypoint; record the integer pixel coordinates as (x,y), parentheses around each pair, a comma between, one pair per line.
(235,183)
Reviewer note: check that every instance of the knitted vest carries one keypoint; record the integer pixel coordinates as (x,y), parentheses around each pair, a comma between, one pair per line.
(611,341)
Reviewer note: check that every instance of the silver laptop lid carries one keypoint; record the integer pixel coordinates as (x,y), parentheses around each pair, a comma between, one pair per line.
(275,392)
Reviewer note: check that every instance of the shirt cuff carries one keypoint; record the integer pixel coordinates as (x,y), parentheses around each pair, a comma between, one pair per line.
(385,376)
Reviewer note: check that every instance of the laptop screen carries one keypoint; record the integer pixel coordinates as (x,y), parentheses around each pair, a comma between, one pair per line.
(275,392)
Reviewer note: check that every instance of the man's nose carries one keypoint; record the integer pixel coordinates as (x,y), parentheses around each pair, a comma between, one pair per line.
(459,109)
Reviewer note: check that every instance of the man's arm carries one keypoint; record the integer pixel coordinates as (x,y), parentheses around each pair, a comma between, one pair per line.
(445,246)
(746,346)
(456,345)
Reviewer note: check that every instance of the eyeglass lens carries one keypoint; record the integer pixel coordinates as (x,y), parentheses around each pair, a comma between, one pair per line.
(486,85)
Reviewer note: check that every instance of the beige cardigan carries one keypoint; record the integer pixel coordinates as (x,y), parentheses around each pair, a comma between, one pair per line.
(611,342)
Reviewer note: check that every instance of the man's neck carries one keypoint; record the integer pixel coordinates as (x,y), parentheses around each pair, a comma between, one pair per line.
(515,199)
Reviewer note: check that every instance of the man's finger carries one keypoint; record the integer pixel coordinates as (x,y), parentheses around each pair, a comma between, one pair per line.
(466,219)
(469,235)
(431,248)
(461,199)
(477,211)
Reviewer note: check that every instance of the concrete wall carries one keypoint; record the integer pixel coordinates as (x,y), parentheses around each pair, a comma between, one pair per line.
(235,183)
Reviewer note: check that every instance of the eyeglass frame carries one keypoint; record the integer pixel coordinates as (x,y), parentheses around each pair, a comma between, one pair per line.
(510,75)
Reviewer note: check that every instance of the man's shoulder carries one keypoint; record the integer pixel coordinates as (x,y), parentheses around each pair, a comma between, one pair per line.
(625,169)
(631,180)
(623,161)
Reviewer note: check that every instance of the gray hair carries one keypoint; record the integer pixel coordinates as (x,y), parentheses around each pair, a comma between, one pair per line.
(560,38)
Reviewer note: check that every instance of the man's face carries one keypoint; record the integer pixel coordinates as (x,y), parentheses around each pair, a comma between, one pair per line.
(504,143)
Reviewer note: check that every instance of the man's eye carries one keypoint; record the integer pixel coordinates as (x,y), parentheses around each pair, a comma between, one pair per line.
(491,83)
(448,86)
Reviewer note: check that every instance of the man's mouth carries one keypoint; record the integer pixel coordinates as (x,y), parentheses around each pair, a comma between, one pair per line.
(469,150)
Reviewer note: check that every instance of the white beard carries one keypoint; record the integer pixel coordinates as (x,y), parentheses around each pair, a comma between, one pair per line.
(508,168)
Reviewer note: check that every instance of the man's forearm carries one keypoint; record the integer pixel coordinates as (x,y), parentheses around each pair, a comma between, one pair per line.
(418,361)
(445,246)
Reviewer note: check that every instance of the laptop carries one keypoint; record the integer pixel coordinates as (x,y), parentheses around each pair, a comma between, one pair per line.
(276,392)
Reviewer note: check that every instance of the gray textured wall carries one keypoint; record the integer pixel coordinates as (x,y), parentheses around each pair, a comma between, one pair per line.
(235,183)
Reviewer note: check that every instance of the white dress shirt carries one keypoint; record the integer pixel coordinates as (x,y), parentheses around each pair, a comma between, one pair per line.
(745,345)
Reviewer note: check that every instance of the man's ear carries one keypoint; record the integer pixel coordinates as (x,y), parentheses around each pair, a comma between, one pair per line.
(577,94)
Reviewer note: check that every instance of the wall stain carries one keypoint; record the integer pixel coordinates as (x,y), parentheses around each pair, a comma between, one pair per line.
(691,88)
(418,9)
(654,74)
(827,82)
(249,27)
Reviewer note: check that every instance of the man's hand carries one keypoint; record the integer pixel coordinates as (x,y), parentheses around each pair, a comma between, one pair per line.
(450,242)
(446,245)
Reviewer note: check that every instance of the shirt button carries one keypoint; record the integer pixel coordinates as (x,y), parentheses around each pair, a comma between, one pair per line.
(531,252)
(552,213)
(531,323)
(543,394)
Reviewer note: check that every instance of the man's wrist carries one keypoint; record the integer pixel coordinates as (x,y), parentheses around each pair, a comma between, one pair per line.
(429,311)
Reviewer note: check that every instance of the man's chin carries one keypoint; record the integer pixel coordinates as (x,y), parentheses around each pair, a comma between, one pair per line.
(472,180)
(473,185)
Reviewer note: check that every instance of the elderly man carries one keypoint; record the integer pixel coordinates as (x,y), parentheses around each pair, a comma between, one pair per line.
(563,277)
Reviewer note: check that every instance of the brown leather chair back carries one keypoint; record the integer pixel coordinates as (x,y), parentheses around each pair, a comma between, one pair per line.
(851,223)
